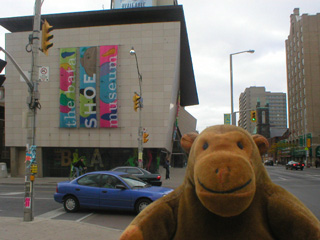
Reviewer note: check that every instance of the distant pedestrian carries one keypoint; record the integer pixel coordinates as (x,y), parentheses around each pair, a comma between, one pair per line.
(167,167)
(317,163)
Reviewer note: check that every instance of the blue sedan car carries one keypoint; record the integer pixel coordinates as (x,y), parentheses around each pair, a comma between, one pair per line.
(107,190)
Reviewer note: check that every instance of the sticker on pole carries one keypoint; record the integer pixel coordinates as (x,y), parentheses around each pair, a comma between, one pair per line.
(44,74)
(27,202)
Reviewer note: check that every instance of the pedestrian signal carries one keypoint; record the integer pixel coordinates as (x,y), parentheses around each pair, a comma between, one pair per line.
(2,76)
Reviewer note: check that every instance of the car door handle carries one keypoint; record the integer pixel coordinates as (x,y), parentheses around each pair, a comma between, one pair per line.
(77,189)
(104,191)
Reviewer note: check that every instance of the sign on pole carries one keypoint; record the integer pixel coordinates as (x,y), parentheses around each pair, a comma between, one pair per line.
(44,74)
(227,118)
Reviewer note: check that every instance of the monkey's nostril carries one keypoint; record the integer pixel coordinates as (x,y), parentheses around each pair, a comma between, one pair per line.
(217,170)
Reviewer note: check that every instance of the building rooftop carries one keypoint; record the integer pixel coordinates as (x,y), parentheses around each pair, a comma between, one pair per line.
(188,90)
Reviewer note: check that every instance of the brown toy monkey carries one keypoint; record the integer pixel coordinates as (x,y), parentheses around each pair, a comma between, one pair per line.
(226,194)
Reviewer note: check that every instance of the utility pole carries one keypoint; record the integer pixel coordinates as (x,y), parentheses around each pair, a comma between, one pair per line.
(33,104)
(32,101)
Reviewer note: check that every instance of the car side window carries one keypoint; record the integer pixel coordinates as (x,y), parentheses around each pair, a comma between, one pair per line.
(133,171)
(108,181)
(91,180)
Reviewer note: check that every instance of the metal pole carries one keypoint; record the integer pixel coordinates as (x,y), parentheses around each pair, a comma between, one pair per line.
(140,148)
(305,138)
(18,68)
(31,100)
(233,120)
(233,115)
(140,132)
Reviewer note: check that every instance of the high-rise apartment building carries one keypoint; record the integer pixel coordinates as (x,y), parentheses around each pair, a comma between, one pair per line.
(277,108)
(303,76)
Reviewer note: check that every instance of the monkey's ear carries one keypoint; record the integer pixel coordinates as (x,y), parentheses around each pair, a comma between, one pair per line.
(261,142)
(187,140)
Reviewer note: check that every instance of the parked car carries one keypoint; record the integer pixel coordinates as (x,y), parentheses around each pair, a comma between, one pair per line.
(152,178)
(268,162)
(294,165)
(107,190)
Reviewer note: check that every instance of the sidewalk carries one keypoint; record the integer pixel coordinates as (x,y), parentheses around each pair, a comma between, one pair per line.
(12,228)
(176,178)
(47,229)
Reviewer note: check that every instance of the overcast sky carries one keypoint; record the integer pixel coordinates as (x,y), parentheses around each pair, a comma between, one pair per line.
(216,29)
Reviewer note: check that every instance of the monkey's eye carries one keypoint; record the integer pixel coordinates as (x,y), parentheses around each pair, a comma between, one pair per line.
(205,146)
(240,145)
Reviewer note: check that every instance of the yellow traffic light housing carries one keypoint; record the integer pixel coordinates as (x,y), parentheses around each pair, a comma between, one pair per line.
(46,36)
(145,137)
(253,116)
(136,101)
(308,142)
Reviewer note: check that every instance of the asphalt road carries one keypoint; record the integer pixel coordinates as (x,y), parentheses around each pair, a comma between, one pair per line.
(304,184)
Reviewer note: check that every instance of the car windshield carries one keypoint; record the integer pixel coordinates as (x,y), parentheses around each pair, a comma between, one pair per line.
(134,182)
(147,172)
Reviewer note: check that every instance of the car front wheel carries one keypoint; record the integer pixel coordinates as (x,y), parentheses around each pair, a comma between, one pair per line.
(71,204)
(142,204)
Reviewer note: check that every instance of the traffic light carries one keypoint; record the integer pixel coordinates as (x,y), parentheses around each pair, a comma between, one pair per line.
(2,76)
(145,137)
(308,142)
(253,116)
(46,36)
(136,101)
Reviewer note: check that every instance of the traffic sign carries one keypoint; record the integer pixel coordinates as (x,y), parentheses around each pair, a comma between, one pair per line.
(44,74)
(227,118)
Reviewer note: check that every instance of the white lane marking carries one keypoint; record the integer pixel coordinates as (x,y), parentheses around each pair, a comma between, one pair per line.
(12,197)
(80,219)
(11,193)
(52,214)
(282,178)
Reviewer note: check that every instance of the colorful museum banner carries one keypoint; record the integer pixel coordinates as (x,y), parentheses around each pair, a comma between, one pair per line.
(108,86)
(88,73)
(68,61)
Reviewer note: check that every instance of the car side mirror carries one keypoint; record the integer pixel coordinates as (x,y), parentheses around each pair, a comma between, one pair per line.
(120,186)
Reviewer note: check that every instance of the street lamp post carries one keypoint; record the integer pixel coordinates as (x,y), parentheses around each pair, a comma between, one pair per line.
(140,131)
(233,115)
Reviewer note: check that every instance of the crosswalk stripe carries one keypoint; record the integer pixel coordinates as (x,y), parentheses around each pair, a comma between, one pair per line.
(53,213)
